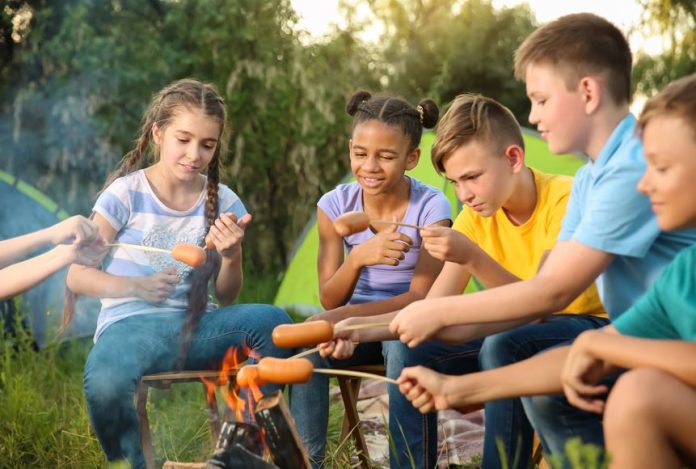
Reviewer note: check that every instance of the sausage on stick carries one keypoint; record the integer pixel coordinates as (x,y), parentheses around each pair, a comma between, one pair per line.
(354,222)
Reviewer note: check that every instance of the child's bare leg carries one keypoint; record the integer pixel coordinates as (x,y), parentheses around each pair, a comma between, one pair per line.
(650,420)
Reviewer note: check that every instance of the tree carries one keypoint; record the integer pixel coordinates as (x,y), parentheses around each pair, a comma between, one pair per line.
(676,20)
(85,69)
(441,48)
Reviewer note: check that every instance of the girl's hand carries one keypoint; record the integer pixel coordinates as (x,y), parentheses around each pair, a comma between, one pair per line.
(227,234)
(386,247)
(76,229)
(157,287)
(446,244)
(416,323)
(425,388)
(581,373)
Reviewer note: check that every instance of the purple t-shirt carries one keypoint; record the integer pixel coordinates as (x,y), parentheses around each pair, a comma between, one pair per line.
(426,206)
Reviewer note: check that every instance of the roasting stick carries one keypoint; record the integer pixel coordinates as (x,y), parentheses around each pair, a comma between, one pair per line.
(397,223)
(190,254)
(138,247)
(292,371)
(357,374)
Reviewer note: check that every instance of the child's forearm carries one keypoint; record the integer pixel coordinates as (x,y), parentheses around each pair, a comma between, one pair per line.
(524,300)
(337,290)
(468,332)
(538,375)
(671,356)
(20,277)
(229,280)
(89,281)
(489,272)
(21,246)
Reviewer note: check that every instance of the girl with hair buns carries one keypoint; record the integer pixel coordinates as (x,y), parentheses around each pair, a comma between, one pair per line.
(384,268)
(155,314)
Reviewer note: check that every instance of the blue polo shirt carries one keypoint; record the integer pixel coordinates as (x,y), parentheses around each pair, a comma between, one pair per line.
(606,212)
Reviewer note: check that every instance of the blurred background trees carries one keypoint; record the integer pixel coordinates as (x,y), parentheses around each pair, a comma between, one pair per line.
(76,75)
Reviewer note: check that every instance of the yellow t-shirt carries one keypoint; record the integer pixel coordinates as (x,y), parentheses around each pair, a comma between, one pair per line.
(519,248)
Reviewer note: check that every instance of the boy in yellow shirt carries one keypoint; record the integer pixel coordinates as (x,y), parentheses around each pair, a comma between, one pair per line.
(511,218)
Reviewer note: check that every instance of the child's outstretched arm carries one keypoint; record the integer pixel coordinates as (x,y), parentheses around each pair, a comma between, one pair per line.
(74,230)
(569,269)
(85,247)
(595,353)
(94,282)
(338,276)
(428,390)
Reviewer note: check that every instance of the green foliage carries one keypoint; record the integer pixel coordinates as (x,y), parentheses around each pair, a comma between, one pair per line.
(676,21)
(441,48)
(85,70)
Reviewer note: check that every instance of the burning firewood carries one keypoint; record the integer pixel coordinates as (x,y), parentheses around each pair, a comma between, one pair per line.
(278,428)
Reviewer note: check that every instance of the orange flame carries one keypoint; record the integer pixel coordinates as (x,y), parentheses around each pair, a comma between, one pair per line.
(230,364)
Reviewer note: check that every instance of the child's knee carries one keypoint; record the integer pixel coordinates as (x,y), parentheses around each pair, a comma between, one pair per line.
(106,386)
(633,396)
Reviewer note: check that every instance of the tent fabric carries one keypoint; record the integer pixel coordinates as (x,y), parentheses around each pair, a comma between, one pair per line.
(299,288)
(25,209)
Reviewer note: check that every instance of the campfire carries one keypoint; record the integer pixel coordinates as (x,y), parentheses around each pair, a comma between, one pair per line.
(256,428)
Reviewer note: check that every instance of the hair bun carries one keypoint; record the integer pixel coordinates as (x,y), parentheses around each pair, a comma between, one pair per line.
(355,100)
(429,114)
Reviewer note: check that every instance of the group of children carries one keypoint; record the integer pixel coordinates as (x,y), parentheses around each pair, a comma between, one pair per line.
(537,346)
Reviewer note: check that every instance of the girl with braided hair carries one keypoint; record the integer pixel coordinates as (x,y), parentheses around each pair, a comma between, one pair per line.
(156,315)
(385,268)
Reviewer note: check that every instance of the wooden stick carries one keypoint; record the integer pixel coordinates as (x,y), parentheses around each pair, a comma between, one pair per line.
(407,225)
(358,374)
(367,325)
(305,353)
(138,247)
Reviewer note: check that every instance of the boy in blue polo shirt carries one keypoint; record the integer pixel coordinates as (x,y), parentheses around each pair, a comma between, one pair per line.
(577,71)
(649,417)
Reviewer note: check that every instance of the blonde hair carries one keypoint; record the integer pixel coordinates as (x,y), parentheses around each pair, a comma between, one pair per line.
(472,117)
(579,45)
(678,99)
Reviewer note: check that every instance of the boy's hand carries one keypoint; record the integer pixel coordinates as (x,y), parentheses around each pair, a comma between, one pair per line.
(424,388)
(416,323)
(343,344)
(581,373)
(446,244)
(227,234)
(76,229)
(386,247)
(157,287)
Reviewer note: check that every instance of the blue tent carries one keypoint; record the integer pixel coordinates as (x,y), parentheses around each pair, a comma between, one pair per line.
(25,209)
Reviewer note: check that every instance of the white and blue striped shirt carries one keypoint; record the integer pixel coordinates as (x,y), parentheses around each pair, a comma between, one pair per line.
(131,207)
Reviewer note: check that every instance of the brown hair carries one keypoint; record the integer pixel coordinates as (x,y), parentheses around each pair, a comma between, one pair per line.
(395,112)
(472,117)
(192,95)
(580,44)
(678,99)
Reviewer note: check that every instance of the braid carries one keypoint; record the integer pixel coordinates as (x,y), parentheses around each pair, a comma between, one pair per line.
(212,202)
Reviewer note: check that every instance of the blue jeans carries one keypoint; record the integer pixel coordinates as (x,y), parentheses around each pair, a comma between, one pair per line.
(145,344)
(556,421)
(505,419)
(413,435)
